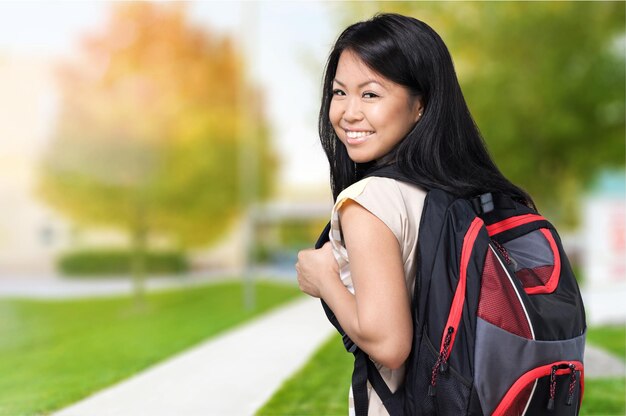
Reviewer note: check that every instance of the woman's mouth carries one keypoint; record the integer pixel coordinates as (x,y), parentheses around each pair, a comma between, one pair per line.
(356,137)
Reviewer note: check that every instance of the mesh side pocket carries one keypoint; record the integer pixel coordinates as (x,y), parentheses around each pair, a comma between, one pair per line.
(417,384)
(453,392)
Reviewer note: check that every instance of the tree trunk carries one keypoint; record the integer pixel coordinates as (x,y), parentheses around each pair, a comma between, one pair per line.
(138,250)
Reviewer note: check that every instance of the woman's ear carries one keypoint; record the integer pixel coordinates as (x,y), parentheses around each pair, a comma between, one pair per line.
(418,108)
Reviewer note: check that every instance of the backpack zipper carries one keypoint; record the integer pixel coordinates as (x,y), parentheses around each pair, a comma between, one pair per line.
(441,365)
(456,310)
(571,367)
(555,369)
(502,251)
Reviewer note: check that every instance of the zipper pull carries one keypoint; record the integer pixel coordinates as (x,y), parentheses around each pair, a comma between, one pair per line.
(441,366)
(572,384)
(552,388)
(432,392)
(502,251)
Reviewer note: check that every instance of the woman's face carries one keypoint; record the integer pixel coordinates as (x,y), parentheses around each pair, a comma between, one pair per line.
(369,113)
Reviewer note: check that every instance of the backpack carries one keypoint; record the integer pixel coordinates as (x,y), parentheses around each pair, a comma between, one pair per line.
(498,320)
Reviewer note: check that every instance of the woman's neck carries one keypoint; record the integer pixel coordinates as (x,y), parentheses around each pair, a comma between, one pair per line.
(387,159)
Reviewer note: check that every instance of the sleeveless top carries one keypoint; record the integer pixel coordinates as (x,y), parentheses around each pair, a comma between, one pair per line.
(398,205)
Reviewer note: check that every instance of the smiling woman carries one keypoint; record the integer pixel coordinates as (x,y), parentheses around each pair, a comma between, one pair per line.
(391,99)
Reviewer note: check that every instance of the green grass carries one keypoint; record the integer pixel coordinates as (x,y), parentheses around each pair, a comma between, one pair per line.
(611,338)
(53,353)
(604,397)
(321,387)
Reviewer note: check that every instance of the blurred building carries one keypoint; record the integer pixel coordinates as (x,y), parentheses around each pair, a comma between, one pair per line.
(604,243)
(30,233)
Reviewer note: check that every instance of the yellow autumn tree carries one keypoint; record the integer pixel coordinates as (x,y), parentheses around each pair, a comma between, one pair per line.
(151,128)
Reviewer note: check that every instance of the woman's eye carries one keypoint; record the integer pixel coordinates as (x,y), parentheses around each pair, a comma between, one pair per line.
(338,92)
(370,95)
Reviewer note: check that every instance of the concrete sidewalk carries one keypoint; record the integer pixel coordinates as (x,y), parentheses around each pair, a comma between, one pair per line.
(47,286)
(601,364)
(54,286)
(234,374)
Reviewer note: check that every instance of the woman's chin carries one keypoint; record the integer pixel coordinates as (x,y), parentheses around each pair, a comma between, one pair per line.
(363,160)
(360,158)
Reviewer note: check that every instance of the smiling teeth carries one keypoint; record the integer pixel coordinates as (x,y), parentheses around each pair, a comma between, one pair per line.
(357,134)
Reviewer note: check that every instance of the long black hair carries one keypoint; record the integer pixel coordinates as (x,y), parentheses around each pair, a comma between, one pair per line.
(444,149)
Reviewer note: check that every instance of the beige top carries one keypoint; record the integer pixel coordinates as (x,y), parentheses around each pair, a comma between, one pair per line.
(399,205)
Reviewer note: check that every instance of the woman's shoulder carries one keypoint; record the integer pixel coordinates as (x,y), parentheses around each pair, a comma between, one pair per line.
(397,204)
(381,190)
(381,185)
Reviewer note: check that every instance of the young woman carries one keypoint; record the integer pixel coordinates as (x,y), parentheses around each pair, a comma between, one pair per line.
(390,95)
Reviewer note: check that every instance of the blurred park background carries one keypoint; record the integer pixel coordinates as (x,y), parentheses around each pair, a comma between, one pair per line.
(166,145)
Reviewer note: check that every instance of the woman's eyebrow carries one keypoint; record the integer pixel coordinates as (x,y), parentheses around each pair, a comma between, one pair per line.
(370,81)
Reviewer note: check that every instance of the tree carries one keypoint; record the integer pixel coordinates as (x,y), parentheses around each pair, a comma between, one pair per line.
(545,83)
(150,129)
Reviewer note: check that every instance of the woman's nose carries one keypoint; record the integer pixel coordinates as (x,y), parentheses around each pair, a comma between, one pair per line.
(352,110)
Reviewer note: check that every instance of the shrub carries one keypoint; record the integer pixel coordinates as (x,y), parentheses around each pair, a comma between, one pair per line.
(119,262)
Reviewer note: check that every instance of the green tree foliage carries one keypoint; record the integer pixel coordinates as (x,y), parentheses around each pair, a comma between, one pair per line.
(150,129)
(545,83)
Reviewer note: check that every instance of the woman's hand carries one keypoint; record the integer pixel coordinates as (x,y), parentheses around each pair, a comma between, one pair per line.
(315,268)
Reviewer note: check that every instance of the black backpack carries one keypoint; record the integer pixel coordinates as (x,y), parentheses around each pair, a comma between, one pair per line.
(499,323)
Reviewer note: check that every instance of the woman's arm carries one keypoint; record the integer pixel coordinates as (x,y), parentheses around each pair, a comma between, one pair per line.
(377,318)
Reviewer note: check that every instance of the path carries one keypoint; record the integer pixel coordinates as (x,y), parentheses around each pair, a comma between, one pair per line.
(48,286)
(234,374)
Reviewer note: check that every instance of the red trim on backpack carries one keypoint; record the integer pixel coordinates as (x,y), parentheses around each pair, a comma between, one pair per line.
(456,309)
(501,226)
(553,281)
(533,374)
